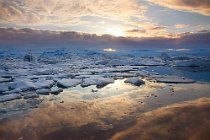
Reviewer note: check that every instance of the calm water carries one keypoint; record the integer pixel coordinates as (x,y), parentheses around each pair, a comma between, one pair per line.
(109,112)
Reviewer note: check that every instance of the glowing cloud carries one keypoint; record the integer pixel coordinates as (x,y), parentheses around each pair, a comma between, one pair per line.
(197,6)
(114,31)
(180,26)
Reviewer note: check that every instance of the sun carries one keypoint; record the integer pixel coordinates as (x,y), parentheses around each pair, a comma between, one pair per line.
(115,31)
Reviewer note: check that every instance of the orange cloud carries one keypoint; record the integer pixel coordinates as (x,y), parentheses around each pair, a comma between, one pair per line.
(27,12)
(149,30)
(180,26)
(197,6)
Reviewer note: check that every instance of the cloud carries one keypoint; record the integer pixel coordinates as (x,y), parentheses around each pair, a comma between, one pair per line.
(31,38)
(136,31)
(196,6)
(149,30)
(180,26)
(63,12)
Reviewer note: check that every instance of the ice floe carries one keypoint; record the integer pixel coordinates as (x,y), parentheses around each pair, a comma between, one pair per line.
(9,97)
(51,71)
(135,81)
(43,91)
(56,90)
(66,83)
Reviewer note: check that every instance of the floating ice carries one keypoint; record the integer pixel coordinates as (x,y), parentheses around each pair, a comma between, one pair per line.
(135,81)
(68,82)
(9,97)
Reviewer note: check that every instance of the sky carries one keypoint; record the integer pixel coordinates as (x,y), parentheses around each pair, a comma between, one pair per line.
(142,19)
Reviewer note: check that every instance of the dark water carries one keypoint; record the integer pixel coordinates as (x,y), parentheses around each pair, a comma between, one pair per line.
(197,74)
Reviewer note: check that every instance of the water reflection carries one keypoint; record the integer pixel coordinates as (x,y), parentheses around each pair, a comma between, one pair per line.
(117,88)
(79,113)
(181,121)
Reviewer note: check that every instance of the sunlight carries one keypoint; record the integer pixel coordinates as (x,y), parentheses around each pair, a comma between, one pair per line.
(109,50)
(114,31)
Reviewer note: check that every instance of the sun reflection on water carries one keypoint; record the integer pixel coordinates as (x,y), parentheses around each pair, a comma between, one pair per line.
(109,50)
(77,108)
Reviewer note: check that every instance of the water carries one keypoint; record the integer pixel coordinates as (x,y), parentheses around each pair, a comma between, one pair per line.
(196,74)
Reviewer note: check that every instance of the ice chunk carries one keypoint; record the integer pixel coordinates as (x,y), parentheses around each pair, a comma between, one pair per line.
(4,87)
(43,91)
(88,82)
(135,81)
(2,80)
(9,97)
(98,81)
(44,84)
(68,82)
(46,71)
(56,90)
(12,91)
(23,85)
(103,82)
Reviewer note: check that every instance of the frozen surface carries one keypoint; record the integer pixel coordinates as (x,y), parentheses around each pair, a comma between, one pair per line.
(97,90)
(49,72)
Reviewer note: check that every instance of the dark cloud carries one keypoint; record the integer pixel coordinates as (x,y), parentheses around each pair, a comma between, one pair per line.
(158,28)
(136,31)
(40,38)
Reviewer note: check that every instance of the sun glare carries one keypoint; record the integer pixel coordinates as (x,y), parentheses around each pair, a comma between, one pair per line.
(114,31)
(109,50)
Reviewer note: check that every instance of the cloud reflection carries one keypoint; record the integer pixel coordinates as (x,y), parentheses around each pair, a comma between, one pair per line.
(180,121)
